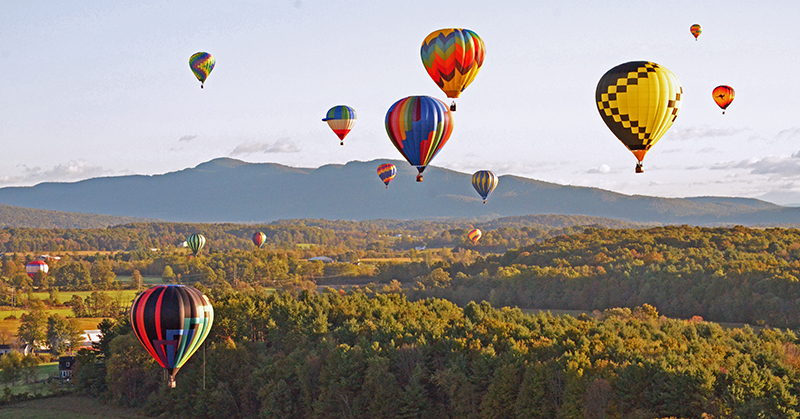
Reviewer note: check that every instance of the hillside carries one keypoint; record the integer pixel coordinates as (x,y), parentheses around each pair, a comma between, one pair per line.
(228,190)
(16,217)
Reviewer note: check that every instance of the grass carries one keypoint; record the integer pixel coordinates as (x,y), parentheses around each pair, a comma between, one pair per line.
(72,407)
(123,296)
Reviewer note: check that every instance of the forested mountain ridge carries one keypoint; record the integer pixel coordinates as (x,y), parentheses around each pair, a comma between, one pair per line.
(11,216)
(229,190)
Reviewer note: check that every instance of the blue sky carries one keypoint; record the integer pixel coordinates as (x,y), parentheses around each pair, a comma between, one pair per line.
(96,88)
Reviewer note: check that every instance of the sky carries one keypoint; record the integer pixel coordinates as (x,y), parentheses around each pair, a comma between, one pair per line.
(99,88)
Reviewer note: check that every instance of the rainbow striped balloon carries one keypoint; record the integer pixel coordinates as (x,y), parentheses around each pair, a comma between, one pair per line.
(387,172)
(341,119)
(171,322)
(419,126)
(484,182)
(201,64)
(474,235)
(453,57)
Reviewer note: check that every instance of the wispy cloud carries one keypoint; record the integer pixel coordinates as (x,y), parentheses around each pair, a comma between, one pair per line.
(71,171)
(187,138)
(282,145)
(774,166)
(702,131)
(602,169)
(788,134)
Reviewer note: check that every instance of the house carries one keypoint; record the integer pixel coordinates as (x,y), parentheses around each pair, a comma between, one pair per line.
(66,364)
(90,337)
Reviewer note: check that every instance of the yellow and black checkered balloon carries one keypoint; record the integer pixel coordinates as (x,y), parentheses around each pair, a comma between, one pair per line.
(639,101)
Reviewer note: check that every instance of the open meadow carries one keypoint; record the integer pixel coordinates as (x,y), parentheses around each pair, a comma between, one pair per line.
(72,407)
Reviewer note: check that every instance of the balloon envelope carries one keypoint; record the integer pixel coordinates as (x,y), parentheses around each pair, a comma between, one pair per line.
(195,242)
(387,172)
(696,30)
(171,322)
(453,57)
(639,101)
(419,126)
(484,183)
(259,238)
(201,64)
(723,95)
(36,266)
(341,119)
(474,235)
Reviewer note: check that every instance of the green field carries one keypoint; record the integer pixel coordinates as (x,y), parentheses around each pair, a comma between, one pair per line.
(72,407)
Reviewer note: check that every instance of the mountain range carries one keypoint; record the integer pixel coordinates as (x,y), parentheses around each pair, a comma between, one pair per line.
(229,190)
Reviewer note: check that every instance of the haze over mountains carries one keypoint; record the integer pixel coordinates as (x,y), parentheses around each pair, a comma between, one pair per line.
(229,190)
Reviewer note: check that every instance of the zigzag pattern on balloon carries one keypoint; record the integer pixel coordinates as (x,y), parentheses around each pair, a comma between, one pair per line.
(452,58)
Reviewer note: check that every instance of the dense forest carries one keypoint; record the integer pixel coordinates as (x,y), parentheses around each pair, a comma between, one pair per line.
(383,356)
(721,274)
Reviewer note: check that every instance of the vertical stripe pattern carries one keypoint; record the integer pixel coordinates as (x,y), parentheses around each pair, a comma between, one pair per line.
(484,183)
(171,322)
(419,126)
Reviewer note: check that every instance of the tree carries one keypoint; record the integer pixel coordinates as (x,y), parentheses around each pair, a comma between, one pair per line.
(32,328)
(168,275)
(11,366)
(72,275)
(63,333)
(78,308)
(102,275)
(136,279)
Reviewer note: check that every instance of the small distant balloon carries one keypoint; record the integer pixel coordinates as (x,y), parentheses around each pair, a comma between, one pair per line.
(201,64)
(484,183)
(35,266)
(387,172)
(259,238)
(474,235)
(341,119)
(723,95)
(696,30)
(195,242)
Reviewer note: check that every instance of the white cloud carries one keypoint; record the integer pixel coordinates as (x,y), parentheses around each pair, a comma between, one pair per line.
(187,138)
(71,171)
(282,145)
(788,134)
(773,166)
(602,169)
(702,131)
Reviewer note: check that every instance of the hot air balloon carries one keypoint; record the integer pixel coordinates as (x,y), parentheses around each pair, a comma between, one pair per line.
(35,266)
(474,235)
(171,322)
(419,126)
(696,30)
(639,101)
(484,182)
(259,238)
(453,57)
(201,64)
(341,119)
(387,172)
(195,242)
(723,95)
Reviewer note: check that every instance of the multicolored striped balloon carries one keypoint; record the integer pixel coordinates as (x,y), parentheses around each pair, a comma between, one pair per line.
(474,235)
(696,30)
(387,172)
(453,57)
(195,242)
(723,95)
(484,182)
(419,126)
(171,322)
(35,266)
(201,64)
(341,119)
(259,238)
